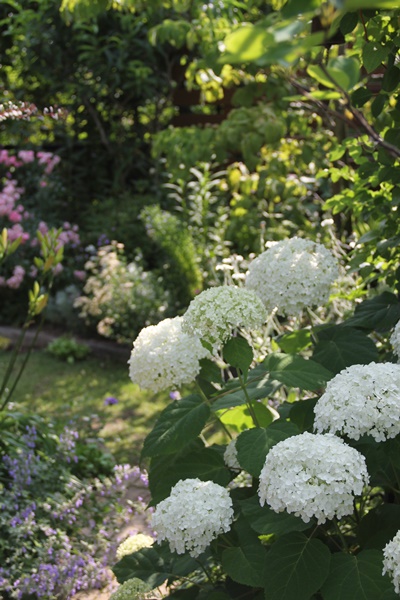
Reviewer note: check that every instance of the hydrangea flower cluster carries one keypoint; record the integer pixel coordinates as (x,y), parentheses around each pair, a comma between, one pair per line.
(361,399)
(292,275)
(164,356)
(230,456)
(395,339)
(193,515)
(312,476)
(214,313)
(391,561)
(133,589)
(134,543)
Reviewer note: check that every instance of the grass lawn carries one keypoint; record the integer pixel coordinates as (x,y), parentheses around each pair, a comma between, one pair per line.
(63,392)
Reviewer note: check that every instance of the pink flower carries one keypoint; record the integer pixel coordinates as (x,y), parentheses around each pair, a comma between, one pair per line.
(58,269)
(43,183)
(80,275)
(15,217)
(16,231)
(15,280)
(27,156)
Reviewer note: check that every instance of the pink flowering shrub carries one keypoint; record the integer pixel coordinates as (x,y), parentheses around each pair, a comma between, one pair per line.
(28,190)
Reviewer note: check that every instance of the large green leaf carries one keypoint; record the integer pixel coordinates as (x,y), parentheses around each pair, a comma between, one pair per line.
(253,445)
(380,313)
(238,353)
(245,564)
(295,341)
(340,347)
(302,414)
(373,55)
(342,72)
(154,565)
(240,417)
(296,371)
(379,526)
(357,577)
(296,567)
(206,464)
(181,422)
(266,521)
(247,44)
(259,385)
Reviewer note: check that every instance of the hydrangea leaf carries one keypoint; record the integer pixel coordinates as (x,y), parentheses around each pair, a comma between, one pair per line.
(296,371)
(245,564)
(253,445)
(379,526)
(153,566)
(302,414)
(178,424)
(357,577)
(295,341)
(259,385)
(240,419)
(239,354)
(296,567)
(266,521)
(380,313)
(340,347)
(206,464)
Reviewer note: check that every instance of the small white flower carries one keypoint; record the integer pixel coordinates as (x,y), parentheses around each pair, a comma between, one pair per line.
(395,340)
(312,476)
(134,543)
(391,561)
(193,515)
(362,399)
(293,274)
(230,456)
(214,313)
(164,356)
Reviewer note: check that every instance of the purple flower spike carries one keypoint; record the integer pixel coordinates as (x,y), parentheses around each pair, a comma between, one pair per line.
(110,401)
(175,395)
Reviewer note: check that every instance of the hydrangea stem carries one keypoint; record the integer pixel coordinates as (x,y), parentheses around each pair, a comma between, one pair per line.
(248,400)
(207,401)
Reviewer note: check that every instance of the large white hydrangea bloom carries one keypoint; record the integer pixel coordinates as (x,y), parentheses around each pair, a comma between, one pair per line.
(362,399)
(214,313)
(292,275)
(395,339)
(164,356)
(312,476)
(391,561)
(193,515)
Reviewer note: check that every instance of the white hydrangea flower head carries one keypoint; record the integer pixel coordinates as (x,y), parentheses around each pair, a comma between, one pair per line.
(193,515)
(311,475)
(292,275)
(230,456)
(214,313)
(391,561)
(164,356)
(395,340)
(361,399)
(133,543)
(132,589)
